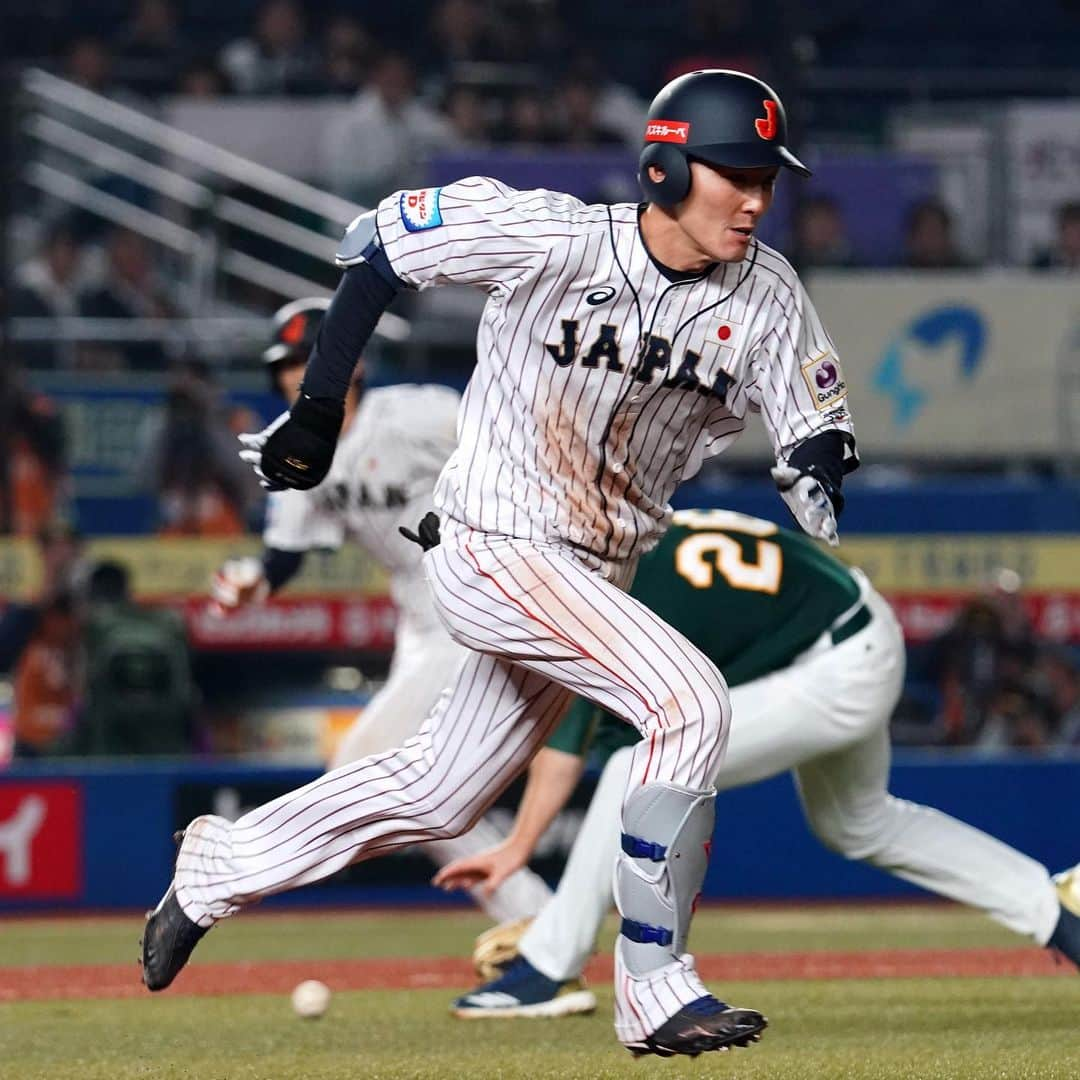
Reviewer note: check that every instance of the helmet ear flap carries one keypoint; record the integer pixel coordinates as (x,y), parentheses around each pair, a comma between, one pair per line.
(676,183)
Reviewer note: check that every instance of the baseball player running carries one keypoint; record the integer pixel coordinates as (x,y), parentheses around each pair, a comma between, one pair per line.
(383,475)
(815,659)
(620,346)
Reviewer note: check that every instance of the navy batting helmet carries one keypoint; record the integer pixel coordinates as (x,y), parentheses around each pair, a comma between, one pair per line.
(296,325)
(720,117)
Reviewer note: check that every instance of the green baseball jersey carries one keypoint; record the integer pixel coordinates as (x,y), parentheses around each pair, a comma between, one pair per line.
(750,595)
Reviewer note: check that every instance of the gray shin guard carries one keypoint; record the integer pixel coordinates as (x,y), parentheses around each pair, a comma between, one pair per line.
(659,872)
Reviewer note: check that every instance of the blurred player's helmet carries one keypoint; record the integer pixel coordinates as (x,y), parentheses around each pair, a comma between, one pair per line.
(296,325)
(721,117)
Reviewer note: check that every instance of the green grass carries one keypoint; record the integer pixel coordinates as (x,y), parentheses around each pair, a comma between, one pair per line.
(272,936)
(946,1029)
(873,1029)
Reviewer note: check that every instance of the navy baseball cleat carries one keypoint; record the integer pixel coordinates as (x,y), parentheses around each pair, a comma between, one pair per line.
(169,938)
(1066,936)
(705,1024)
(522,991)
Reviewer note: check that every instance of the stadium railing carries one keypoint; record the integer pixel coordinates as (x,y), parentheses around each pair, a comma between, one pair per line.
(184,194)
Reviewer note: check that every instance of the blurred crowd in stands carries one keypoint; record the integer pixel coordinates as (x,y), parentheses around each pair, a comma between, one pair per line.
(431,77)
(185,457)
(493,70)
(88,664)
(93,273)
(458,74)
(264,47)
(997,684)
(94,671)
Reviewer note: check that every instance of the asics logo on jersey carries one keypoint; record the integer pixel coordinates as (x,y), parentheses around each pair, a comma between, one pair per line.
(654,356)
(600,296)
(765,125)
(674,131)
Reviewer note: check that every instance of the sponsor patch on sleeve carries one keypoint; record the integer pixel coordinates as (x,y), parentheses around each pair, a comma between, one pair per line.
(825,381)
(420,209)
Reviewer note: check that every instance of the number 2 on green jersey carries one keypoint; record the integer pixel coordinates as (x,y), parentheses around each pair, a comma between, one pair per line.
(691,556)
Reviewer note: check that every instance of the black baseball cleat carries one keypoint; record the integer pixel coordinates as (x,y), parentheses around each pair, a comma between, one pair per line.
(169,938)
(705,1024)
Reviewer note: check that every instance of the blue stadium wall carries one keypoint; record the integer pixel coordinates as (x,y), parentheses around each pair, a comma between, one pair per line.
(105,840)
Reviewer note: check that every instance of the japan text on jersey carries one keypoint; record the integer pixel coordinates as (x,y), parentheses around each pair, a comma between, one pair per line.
(601,383)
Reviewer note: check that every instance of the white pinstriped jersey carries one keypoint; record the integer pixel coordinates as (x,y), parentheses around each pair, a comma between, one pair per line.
(384,471)
(601,384)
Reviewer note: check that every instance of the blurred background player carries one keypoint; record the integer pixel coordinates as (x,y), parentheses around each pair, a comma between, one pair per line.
(139,693)
(394,443)
(816,660)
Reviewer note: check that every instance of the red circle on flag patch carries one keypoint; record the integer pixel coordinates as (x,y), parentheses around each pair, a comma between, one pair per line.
(724,333)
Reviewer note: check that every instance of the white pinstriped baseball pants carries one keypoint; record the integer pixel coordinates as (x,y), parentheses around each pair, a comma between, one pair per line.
(424,662)
(544,625)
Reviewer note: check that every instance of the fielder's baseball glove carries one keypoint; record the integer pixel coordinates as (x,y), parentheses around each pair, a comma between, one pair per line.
(495,948)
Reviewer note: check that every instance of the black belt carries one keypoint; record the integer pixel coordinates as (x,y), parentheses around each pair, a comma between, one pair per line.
(858,619)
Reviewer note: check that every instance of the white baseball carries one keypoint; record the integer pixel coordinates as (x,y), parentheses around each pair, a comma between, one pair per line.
(310,999)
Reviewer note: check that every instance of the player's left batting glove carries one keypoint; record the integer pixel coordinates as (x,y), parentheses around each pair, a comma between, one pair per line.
(812,500)
(297,449)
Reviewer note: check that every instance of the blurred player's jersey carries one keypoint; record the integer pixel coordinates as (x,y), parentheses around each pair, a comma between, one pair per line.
(750,595)
(383,474)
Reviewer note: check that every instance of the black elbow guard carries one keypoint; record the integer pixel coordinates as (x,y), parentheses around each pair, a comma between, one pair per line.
(828,457)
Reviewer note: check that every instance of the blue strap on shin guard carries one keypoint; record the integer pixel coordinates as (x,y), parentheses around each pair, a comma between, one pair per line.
(666,832)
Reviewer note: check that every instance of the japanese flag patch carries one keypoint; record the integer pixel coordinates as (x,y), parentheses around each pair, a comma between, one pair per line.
(420,209)
(824,380)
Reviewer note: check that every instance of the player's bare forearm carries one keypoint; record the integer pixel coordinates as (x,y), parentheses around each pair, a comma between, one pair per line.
(488,870)
(553,775)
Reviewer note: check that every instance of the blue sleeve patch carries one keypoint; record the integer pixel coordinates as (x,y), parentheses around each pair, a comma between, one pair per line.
(420,209)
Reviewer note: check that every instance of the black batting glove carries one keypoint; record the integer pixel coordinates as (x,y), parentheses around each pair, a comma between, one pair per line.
(427,532)
(297,449)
